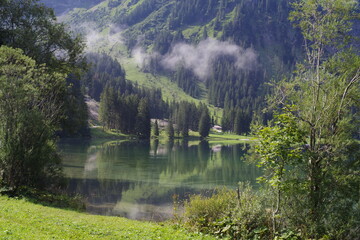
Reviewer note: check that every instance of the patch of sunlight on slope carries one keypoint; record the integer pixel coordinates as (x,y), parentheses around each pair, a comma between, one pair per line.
(170,90)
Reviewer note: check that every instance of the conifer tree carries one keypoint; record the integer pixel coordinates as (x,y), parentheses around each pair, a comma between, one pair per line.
(143,125)
(204,123)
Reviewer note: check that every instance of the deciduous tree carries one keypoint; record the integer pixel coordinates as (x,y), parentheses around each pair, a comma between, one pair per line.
(324,95)
(30,110)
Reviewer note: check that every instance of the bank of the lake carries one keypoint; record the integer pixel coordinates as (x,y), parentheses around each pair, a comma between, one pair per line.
(214,137)
(20,219)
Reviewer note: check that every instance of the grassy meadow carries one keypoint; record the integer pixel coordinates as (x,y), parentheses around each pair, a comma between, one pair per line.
(20,219)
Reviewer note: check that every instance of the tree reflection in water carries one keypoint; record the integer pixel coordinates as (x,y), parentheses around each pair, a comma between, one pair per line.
(138,179)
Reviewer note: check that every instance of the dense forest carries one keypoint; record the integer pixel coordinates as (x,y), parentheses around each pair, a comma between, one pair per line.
(128,108)
(62,7)
(222,51)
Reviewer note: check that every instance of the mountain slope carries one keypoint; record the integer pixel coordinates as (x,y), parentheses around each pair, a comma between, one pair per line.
(218,51)
(63,6)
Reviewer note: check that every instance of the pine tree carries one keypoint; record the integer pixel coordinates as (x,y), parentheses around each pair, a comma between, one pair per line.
(143,125)
(204,123)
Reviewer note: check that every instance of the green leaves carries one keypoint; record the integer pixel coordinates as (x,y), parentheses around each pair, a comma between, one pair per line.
(280,145)
(324,22)
(32,27)
(30,108)
(306,151)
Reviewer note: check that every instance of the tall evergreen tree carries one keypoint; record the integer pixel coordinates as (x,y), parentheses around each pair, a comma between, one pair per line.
(107,110)
(204,123)
(143,125)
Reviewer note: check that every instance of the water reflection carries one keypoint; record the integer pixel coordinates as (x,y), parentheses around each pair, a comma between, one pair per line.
(138,179)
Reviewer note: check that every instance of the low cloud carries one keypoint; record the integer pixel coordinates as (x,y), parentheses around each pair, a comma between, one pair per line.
(200,58)
(95,39)
(141,57)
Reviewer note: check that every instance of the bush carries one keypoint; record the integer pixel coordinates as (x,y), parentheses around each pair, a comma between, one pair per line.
(227,213)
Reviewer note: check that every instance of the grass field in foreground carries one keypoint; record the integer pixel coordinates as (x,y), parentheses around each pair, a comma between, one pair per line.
(20,219)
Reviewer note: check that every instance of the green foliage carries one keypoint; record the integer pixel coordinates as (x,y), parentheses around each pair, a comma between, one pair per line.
(32,27)
(227,213)
(237,119)
(321,109)
(30,109)
(324,23)
(129,114)
(143,125)
(104,70)
(75,122)
(64,6)
(279,146)
(187,81)
(187,117)
(204,123)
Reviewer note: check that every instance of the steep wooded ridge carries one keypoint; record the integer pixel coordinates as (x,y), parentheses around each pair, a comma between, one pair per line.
(63,6)
(221,51)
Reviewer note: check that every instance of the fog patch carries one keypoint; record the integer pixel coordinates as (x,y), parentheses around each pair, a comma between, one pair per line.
(141,57)
(200,58)
(95,39)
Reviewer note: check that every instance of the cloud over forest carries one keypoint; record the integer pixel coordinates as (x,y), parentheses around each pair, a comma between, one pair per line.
(200,58)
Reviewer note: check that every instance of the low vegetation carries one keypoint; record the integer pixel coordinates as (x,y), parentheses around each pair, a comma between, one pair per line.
(100,132)
(20,219)
(229,213)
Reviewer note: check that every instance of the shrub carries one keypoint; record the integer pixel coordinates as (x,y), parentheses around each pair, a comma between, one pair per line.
(227,213)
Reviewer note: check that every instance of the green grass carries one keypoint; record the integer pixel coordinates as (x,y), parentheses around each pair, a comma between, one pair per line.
(99,132)
(228,138)
(169,89)
(20,219)
(213,138)
(192,31)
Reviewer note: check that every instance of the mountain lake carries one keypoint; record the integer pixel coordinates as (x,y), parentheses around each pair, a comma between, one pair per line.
(141,180)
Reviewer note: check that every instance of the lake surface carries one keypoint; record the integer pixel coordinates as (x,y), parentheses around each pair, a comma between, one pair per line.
(139,180)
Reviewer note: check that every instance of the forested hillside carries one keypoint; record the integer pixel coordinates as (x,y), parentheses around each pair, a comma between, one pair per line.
(221,51)
(63,6)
